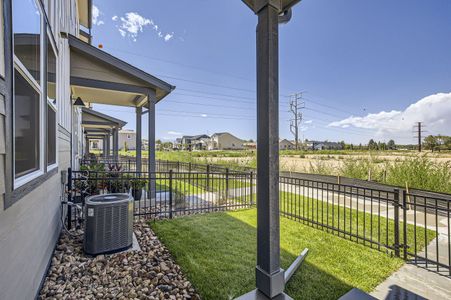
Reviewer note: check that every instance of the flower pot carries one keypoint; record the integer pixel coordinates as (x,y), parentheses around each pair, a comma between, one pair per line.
(137,194)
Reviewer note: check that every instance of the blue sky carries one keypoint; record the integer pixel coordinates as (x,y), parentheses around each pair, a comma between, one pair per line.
(367,68)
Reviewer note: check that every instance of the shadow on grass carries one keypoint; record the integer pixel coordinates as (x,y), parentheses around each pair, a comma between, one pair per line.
(218,254)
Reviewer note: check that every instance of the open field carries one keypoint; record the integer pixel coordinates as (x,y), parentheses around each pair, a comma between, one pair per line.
(217,254)
(426,170)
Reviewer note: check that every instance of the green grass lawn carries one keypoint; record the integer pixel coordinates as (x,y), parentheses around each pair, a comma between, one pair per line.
(354,223)
(218,254)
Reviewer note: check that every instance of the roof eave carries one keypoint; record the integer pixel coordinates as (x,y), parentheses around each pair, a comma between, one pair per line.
(154,82)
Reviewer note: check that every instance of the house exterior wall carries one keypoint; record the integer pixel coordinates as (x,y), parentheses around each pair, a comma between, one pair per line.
(127,139)
(286,145)
(225,141)
(30,216)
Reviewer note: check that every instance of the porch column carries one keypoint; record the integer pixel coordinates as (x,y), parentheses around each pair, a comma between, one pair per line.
(104,150)
(139,111)
(116,143)
(269,276)
(151,159)
(86,145)
(108,152)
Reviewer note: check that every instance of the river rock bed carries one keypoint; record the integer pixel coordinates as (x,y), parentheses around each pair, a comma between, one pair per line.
(147,274)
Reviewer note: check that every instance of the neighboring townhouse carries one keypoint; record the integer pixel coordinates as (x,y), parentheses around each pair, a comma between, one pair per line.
(193,142)
(250,146)
(224,141)
(285,144)
(127,139)
(48,72)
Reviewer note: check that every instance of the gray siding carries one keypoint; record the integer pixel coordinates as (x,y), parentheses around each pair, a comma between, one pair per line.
(2,150)
(28,233)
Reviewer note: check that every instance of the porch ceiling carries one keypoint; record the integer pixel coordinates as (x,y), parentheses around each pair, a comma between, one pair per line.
(98,77)
(94,121)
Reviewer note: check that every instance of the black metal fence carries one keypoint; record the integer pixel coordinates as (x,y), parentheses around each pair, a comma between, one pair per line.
(129,164)
(167,193)
(413,225)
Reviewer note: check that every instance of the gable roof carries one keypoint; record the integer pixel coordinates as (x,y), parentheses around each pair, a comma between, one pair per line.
(87,53)
(107,118)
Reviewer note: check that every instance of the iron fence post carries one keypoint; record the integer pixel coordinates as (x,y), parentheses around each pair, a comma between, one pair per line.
(404,223)
(69,198)
(252,187)
(227,185)
(208,177)
(170,194)
(396,220)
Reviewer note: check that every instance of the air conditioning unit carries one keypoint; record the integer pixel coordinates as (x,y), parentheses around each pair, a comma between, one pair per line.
(108,223)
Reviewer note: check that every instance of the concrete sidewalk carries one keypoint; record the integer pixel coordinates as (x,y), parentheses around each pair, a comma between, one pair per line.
(412,282)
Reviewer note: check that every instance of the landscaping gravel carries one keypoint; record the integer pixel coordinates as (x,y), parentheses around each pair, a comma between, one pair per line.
(147,274)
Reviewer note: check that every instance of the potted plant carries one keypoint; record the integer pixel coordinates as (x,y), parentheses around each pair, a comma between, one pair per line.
(137,186)
(115,182)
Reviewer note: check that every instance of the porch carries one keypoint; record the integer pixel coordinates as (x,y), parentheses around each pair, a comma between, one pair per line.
(97,77)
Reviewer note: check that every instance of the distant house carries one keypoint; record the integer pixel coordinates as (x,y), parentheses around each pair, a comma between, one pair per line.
(250,145)
(285,144)
(319,145)
(192,142)
(127,139)
(224,141)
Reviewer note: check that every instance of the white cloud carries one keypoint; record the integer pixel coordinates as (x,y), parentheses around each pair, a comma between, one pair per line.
(122,32)
(132,24)
(168,36)
(174,133)
(434,111)
(96,13)
(308,122)
(204,115)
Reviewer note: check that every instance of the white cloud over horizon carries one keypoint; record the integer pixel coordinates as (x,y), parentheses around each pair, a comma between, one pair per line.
(96,13)
(132,24)
(434,111)
(174,132)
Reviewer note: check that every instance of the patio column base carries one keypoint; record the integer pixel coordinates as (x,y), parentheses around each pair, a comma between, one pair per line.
(257,295)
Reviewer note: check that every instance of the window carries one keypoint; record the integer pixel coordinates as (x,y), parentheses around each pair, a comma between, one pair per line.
(26,126)
(51,104)
(27,36)
(51,135)
(29,99)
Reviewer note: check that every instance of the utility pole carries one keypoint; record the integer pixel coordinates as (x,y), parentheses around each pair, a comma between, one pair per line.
(419,129)
(295,107)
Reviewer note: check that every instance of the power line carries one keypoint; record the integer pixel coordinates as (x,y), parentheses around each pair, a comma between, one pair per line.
(419,127)
(295,107)
(181,64)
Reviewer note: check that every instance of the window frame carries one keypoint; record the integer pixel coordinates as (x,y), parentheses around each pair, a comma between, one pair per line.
(53,106)
(18,66)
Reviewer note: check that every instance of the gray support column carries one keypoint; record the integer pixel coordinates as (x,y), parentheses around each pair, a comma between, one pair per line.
(108,148)
(139,139)
(151,160)
(86,148)
(269,276)
(104,150)
(116,143)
